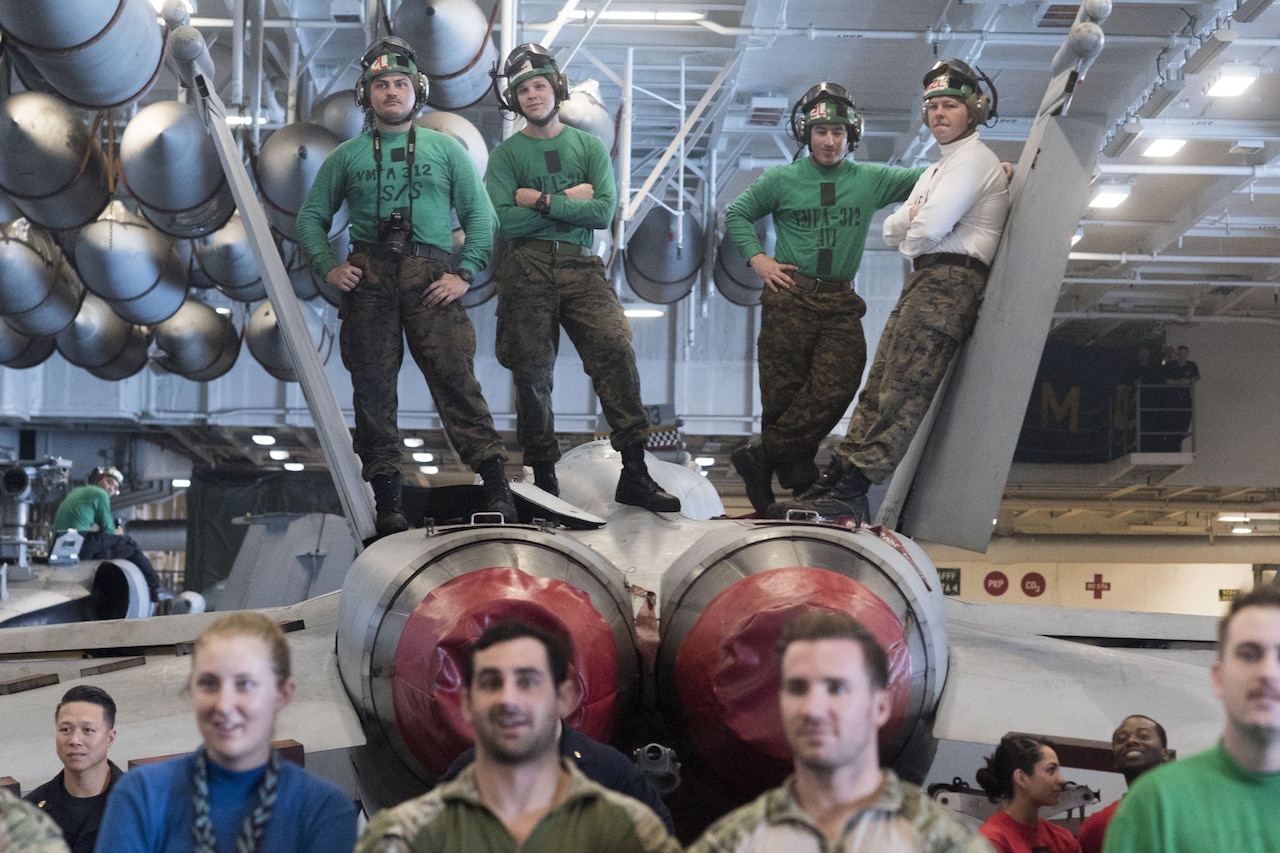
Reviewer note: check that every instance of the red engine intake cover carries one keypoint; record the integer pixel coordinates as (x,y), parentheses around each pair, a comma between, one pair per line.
(727,669)
(427,685)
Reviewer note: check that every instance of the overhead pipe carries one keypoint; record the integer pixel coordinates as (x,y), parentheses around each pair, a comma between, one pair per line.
(1128,316)
(96,55)
(1266,170)
(1148,257)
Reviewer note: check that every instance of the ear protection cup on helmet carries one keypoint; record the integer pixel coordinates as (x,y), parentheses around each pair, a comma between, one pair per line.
(961,82)
(844,112)
(403,55)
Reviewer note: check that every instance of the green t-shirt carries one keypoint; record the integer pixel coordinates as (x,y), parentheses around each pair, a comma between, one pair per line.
(443,178)
(84,507)
(820,213)
(569,158)
(1204,803)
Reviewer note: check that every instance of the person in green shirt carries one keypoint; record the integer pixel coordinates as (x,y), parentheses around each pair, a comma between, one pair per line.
(552,186)
(399,182)
(811,347)
(1222,799)
(87,509)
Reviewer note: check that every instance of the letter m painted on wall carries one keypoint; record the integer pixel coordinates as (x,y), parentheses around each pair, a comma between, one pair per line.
(1068,408)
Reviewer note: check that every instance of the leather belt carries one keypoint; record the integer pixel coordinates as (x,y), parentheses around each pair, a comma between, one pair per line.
(811,284)
(953,259)
(411,250)
(552,247)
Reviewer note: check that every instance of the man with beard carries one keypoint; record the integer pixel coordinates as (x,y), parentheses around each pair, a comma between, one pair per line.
(834,699)
(1139,744)
(520,793)
(1222,799)
(399,182)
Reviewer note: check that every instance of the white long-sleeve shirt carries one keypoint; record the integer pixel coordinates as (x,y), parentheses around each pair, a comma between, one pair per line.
(964,200)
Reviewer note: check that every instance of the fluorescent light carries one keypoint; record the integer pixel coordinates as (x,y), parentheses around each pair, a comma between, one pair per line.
(636,311)
(705,461)
(278,453)
(429,469)
(642,16)
(1241,529)
(264,440)
(414,441)
(1164,147)
(180,483)
(1231,81)
(423,457)
(1233,517)
(293,466)
(1110,195)
(244,121)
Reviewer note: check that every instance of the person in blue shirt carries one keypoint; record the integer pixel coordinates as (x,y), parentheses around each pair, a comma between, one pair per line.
(234,793)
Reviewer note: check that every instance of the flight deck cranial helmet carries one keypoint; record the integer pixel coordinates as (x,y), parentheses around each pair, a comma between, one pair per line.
(526,61)
(825,103)
(956,79)
(390,55)
(98,474)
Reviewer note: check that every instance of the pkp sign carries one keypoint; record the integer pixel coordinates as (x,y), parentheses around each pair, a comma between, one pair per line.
(996,583)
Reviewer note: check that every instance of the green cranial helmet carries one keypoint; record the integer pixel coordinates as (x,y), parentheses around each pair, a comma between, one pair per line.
(390,55)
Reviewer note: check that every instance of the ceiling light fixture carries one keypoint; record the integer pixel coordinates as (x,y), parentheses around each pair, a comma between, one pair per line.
(264,440)
(414,441)
(180,483)
(1233,517)
(1241,529)
(278,453)
(643,16)
(1109,195)
(705,461)
(1163,147)
(639,312)
(429,469)
(1208,51)
(423,457)
(1231,81)
(1125,135)
(293,466)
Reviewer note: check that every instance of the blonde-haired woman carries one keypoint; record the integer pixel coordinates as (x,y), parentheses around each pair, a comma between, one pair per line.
(234,794)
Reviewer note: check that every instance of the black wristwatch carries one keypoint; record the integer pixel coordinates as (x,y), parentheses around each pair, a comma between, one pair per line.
(543,204)
(467,275)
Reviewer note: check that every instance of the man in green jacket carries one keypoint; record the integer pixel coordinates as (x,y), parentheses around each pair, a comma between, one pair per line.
(520,794)
(552,186)
(87,509)
(399,182)
(811,347)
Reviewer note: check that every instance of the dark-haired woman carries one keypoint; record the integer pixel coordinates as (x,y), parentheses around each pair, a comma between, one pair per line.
(234,793)
(1023,774)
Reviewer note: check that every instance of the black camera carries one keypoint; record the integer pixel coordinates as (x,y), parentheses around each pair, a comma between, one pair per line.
(393,235)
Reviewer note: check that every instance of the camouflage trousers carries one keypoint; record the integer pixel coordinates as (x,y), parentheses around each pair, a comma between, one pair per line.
(538,293)
(383,312)
(811,351)
(934,316)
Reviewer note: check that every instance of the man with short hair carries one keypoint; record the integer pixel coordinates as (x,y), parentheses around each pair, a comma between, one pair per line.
(76,797)
(1222,799)
(552,186)
(811,347)
(1137,745)
(400,182)
(520,793)
(949,230)
(1180,374)
(87,509)
(835,698)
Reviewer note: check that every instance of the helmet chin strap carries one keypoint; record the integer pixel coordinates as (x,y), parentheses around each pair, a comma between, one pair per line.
(543,122)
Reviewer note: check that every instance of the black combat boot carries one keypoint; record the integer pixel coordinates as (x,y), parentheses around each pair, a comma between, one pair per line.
(497,493)
(386,494)
(637,488)
(841,491)
(754,466)
(544,477)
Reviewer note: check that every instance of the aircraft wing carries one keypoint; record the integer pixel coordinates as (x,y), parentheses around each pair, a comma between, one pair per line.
(154,715)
